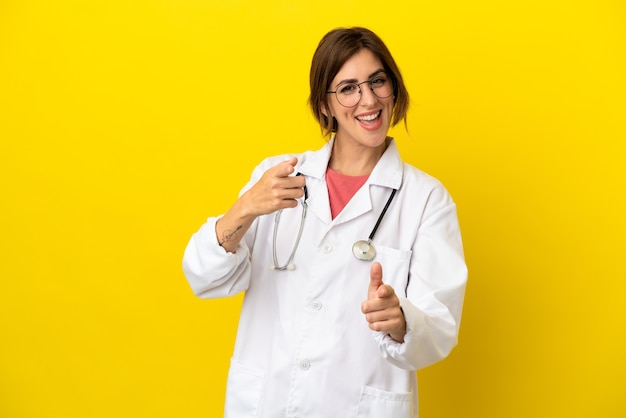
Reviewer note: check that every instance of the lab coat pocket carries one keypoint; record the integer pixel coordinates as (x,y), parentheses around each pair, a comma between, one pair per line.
(376,403)
(243,395)
(395,265)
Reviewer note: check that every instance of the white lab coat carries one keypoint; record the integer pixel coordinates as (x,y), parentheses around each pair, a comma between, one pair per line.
(303,347)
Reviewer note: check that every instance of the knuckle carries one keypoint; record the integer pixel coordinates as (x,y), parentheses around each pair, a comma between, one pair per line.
(274,183)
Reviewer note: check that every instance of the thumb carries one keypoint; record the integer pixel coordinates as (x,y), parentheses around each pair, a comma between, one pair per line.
(376,280)
(285,168)
(291,164)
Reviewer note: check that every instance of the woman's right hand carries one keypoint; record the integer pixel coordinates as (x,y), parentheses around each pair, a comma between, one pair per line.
(276,189)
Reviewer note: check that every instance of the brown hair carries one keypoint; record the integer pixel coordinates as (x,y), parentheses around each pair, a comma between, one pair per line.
(337,47)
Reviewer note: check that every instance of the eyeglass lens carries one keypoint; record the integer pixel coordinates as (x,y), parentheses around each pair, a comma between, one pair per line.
(349,94)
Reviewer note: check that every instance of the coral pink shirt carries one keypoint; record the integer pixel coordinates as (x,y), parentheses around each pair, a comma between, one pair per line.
(341,188)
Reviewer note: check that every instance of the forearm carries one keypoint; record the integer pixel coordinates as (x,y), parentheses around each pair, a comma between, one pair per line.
(231,227)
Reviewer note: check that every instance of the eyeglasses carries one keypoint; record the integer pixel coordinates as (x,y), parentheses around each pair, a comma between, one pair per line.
(349,94)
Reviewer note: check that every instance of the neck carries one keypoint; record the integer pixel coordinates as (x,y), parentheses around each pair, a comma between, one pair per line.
(355,160)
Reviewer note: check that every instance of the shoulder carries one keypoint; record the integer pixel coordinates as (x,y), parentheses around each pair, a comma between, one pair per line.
(418,182)
(415,177)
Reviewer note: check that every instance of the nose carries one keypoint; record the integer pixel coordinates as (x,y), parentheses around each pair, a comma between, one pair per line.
(367,95)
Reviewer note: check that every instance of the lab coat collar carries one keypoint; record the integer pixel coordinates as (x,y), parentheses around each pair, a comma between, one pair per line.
(386,173)
(314,163)
(389,169)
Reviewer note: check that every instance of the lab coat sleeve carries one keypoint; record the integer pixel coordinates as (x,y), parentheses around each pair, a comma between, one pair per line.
(434,296)
(211,271)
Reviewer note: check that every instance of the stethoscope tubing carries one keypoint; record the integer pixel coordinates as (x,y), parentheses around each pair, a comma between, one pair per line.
(289,265)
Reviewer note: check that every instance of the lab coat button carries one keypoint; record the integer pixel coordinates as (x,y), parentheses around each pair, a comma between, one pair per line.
(327,249)
(305,364)
(317,305)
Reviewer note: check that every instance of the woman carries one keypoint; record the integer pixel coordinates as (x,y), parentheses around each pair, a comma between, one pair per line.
(353,268)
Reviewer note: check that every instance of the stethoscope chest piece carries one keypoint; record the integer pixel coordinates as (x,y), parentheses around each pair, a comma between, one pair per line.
(364,250)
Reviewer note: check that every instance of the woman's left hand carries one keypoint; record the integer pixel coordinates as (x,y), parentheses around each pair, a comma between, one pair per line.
(382,307)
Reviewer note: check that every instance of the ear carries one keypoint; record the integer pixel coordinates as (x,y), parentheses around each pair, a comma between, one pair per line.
(323,109)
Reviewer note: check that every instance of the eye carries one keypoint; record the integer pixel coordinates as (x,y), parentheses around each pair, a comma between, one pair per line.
(378,82)
(348,89)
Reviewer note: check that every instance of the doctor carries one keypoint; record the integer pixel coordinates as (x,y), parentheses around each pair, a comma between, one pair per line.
(351,260)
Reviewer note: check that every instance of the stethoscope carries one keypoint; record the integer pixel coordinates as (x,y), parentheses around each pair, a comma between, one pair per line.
(362,249)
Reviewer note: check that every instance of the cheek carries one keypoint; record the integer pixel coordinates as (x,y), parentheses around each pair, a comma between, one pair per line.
(390,107)
(338,111)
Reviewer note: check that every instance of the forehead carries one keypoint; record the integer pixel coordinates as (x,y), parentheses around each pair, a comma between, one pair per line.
(358,67)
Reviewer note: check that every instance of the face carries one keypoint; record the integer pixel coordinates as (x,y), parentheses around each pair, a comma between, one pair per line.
(367,123)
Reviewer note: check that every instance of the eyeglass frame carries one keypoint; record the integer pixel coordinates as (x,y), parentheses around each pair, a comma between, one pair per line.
(358,85)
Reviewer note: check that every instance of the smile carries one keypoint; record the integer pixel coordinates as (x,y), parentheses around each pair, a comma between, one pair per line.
(367,118)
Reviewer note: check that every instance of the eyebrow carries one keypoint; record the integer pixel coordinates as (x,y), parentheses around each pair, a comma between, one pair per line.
(354,80)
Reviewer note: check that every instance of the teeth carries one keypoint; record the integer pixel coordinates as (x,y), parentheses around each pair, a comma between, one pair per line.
(368,117)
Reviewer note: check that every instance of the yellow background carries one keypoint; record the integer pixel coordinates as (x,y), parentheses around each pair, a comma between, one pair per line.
(124,124)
